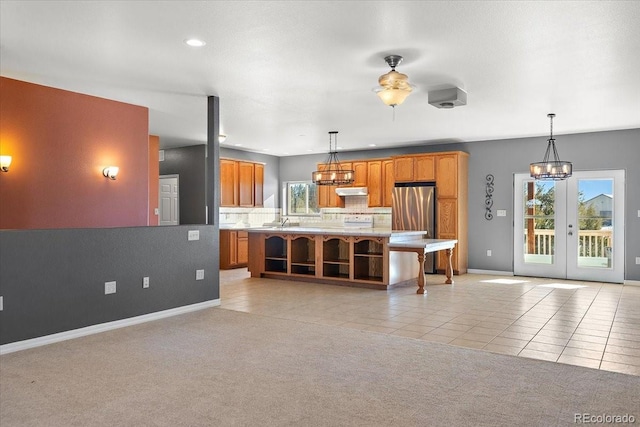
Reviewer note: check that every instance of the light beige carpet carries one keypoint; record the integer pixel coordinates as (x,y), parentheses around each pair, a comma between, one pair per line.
(223,368)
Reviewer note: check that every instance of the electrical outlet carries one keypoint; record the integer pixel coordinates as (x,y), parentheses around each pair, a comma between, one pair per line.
(501,212)
(638,260)
(194,235)
(156,211)
(199,274)
(488,252)
(1,303)
(145,282)
(109,288)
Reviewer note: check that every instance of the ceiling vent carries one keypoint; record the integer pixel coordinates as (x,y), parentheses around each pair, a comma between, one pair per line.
(448,98)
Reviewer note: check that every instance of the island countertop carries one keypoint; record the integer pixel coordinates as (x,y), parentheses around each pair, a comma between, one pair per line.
(394,235)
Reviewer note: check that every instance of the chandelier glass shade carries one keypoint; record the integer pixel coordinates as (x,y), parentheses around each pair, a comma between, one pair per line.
(394,86)
(551,168)
(332,173)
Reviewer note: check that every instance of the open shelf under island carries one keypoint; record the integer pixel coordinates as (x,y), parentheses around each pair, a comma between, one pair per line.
(367,258)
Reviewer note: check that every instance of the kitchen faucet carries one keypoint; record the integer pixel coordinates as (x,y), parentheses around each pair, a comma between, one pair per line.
(284,222)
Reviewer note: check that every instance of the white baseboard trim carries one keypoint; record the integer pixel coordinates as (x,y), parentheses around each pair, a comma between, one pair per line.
(632,282)
(492,272)
(103,327)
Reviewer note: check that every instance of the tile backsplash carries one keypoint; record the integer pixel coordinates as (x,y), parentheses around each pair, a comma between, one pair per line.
(327,217)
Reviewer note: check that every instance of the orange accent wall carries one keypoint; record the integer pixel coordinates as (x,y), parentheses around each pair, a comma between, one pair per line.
(154,178)
(60,142)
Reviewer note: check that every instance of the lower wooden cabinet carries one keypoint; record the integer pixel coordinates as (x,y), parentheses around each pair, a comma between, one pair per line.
(234,249)
(324,258)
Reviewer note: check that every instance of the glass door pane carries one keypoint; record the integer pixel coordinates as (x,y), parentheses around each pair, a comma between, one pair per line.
(539,233)
(539,222)
(595,223)
(595,229)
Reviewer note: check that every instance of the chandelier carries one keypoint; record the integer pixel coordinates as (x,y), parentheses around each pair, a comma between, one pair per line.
(394,86)
(332,173)
(554,169)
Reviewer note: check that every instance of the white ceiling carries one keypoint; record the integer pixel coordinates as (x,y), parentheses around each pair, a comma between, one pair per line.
(288,72)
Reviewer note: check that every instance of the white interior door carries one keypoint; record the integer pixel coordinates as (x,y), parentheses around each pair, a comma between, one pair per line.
(571,229)
(169,200)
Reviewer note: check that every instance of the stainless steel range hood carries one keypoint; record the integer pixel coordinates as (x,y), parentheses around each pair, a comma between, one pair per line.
(351,191)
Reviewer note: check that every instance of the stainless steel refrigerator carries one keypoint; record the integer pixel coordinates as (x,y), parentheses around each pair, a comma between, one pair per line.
(414,208)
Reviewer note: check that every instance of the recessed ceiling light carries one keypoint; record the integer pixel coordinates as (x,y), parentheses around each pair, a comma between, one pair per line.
(194,42)
(237,145)
(372,145)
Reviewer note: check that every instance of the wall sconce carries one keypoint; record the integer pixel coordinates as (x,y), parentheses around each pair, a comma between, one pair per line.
(110,172)
(5,162)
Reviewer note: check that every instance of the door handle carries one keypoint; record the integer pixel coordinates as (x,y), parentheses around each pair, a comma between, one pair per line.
(571,233)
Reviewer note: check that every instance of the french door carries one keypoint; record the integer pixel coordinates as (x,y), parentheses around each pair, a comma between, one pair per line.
(571,229)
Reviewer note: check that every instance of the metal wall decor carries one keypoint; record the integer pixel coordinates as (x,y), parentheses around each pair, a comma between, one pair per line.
(488,201)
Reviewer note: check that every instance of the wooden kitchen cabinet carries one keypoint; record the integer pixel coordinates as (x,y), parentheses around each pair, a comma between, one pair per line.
(241,183)
(360,173)
(403,169)
(414,168)
(228,182)
(451,171)
(258,180)
(246,180)
(234,249)
(424,168)
(327,197)
(388,182)
(374,182)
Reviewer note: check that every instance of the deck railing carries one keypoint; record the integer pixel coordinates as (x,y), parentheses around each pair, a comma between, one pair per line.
(592,243)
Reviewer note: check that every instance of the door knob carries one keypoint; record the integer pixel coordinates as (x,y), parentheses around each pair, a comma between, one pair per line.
(571,233)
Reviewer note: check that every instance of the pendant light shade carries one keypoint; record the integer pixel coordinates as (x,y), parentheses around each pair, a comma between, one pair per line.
(394,86)
(333,173)
(552,169)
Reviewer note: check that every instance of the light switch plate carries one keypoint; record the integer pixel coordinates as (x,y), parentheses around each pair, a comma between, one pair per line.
(1,303)
(199,274)
(194,235)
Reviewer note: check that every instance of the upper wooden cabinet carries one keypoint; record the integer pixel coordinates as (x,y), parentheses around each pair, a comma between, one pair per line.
(241,183)
(258,198)
(228,182)
(414,168)
(245,184)
(388,182)
(327,197)
(360,173)
(374,182)
(447,174)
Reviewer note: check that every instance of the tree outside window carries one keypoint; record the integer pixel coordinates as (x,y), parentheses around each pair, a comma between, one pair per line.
(302,198)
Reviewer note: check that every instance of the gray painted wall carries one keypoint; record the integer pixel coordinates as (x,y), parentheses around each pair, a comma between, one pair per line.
(190,164)
(588,151)
(503,158)
(271,172)
(53,280)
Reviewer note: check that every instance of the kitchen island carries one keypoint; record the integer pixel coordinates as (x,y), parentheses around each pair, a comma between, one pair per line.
(340,256)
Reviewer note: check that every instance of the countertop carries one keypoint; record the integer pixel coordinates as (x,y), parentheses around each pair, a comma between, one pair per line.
(429,245)
(343,231)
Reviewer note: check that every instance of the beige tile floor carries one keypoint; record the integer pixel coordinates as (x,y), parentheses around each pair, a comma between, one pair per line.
(590,324)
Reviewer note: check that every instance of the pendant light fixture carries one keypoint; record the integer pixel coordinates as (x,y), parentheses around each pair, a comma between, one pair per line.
(333,173)
(551,169)
(394,86)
